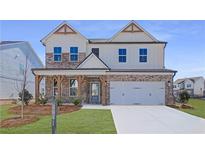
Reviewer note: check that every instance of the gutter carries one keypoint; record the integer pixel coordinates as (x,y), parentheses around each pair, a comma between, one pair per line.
(172,85)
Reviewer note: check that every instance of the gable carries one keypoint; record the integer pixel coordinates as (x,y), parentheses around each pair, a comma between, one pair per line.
(133,33)
(132,28)
(92,61)
(65,29)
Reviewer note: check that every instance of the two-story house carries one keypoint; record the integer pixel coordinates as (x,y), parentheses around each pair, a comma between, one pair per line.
(125,69)
(13,57)
(195,86)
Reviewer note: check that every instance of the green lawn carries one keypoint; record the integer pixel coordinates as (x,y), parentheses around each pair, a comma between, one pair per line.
(4,111)
(199,107)
(84,121)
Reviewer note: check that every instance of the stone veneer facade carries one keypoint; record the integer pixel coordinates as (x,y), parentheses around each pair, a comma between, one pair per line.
(84,87)
(65,63)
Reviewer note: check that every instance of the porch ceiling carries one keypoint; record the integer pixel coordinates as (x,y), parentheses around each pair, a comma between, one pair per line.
(69,72)
(99,71)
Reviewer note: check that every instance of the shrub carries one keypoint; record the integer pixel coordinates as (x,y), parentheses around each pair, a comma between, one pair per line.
(42,99)
(27,96)
(184,97)
(76,101)
(59,101)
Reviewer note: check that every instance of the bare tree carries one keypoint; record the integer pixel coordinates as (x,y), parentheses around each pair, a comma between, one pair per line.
(23,84)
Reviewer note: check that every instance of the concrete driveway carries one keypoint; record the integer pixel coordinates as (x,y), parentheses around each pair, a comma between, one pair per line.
(155,119)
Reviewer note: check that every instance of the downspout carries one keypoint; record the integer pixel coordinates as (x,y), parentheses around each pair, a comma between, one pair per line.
(164,55)
(172,85)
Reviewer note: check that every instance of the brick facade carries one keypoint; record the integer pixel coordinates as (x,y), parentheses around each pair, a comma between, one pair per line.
(65,63)
(105,85)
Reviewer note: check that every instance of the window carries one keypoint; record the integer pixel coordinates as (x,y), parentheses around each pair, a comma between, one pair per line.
(73,54)
(188,85)
(143,55)
(73,87)
(55,88)
(95,51)
(57,54)
(21,69)
(122,55)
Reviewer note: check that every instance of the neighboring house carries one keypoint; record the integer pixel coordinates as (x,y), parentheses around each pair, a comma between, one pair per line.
(12,65)
(125,69)
(195,86)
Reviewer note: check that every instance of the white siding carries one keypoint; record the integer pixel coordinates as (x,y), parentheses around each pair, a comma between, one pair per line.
(199,87)
(66,41)
(10,76)
(92,62)
(132,37)
(109,54)
(187,82)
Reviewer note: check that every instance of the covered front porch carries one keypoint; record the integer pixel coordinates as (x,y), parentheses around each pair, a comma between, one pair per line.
(91,87)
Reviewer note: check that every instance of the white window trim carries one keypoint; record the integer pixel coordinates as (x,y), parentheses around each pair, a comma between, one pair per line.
(122,55)
(71,87)
(142,55)
(57,54)
(76,54)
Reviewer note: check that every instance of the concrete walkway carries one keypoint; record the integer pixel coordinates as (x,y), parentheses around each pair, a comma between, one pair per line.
(152,120)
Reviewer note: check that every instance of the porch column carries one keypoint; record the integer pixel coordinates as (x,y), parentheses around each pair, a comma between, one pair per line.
(80,82)
(38,79)
(104,87)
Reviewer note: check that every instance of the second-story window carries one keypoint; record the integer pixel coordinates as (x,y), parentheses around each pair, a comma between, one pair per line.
(143,55)
(122,55)
(188,85)
(57,54)
(73,54)
(95,51)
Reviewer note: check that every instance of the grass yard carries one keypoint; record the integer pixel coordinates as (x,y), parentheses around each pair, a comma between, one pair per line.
(4,111)
(199,108)
(84,121)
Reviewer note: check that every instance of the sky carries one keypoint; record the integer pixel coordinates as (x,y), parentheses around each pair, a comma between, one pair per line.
(185,51)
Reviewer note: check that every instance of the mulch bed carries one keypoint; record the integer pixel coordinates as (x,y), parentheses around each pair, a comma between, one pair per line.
(186,106)
(31,113)
(181,106)
(174,106)
(37,110)
(17,121)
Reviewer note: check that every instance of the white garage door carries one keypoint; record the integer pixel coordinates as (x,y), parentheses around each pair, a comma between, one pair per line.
(131,92)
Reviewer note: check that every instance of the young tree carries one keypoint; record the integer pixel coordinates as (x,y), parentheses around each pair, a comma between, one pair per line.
(22,88)
(184,97)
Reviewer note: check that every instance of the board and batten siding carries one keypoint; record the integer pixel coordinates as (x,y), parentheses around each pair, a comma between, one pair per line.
(132,37)
(66,41)
(109,54)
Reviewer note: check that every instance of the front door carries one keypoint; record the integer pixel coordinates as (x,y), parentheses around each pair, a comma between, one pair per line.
(95,92)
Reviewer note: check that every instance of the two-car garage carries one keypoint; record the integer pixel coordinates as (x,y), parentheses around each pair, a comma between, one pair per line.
(135,92)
